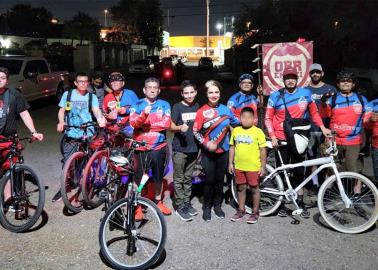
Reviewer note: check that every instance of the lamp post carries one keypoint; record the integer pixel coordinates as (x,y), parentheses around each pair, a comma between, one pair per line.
(219,27)
(105,13)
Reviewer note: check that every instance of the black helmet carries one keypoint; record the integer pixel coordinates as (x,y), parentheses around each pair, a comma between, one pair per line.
(346,75)
(115,76)
(245,76)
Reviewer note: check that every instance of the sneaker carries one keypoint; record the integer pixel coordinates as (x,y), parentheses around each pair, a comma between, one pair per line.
(191,210)
(253,218)
(164,209)
(139,213)
(183,213)
(57,197)
(219,212)
(238,215)
(206,214)
(305,213)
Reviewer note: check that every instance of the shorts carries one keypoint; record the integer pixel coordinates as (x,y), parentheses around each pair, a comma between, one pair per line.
(244,177)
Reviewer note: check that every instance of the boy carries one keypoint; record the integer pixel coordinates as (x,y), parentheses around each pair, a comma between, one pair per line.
(185,149)
(247,159)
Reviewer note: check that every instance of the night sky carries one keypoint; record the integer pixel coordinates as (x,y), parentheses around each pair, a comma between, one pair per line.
(190,15)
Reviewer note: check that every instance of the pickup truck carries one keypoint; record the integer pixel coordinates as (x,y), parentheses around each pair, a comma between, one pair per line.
(33,77)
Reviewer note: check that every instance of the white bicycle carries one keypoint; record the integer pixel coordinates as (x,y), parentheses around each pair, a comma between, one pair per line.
(347,201)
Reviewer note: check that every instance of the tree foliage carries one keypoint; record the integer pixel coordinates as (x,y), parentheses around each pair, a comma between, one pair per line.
(142,20)
(346,30)
(25,20)
(82,27)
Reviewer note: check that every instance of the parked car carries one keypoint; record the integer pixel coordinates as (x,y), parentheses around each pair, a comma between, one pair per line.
(33,77)
(141,67)
(205,63)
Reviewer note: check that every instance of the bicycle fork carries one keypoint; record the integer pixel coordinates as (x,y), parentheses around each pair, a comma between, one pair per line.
(344,197)
(130,221)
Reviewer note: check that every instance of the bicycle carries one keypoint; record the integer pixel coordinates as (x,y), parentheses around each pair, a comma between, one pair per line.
(100,178)
(22,192)
(74,167)
(127,243)
(341,204)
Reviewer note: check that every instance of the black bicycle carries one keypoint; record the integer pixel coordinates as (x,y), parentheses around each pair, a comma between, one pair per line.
(22,192)
(128,243)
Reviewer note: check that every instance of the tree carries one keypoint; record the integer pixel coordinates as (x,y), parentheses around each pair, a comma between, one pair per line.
(82,27)
(143,20)
(150,24)
(24,20)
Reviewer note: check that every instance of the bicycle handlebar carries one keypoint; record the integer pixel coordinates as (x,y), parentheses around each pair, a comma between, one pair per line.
(82,126)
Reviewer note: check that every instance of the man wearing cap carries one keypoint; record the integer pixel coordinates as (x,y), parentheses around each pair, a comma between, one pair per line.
(299,104)
(318,89)
(244,97)
(117,104)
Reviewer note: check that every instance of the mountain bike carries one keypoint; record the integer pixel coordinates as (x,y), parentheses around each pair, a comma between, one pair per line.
(73,169)
(22,192)
(347,201)
(127,243)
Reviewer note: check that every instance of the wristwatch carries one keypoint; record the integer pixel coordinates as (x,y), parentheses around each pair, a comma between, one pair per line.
(34,132)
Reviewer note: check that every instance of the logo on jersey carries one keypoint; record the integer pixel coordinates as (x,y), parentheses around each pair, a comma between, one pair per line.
(357,107)
(159,112)
(302,102)
(209,113)
(230,104)
(244,139)
(188,117)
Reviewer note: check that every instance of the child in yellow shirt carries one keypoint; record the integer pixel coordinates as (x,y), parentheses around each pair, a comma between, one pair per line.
(247,159)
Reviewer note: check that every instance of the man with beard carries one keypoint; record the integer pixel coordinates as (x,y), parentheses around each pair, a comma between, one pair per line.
(296,102)
(318,89)
(346,110)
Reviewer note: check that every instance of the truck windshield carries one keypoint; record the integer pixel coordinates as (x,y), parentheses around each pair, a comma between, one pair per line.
(13,65)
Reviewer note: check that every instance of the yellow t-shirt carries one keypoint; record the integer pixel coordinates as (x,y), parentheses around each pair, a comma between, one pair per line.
(247,144)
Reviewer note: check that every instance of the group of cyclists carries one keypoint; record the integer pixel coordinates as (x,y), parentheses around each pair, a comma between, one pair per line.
(223,138)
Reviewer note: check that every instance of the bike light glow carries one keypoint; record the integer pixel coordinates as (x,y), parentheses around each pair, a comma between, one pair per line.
(167,73)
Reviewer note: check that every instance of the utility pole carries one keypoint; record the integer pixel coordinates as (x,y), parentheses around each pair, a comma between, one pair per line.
(207,26)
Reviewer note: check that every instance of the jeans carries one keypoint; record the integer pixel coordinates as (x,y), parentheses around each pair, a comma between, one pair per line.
(215,166)
(183,166)
(374,155)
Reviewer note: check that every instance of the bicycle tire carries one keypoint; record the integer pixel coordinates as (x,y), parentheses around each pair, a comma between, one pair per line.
(150,208)
(61,144)
(360,204)
(266,206)
(89,190)
(73,202)
(38,186)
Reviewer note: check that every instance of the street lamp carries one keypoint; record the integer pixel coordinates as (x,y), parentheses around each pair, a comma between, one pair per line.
(105,13)
(219,27)
(54,21)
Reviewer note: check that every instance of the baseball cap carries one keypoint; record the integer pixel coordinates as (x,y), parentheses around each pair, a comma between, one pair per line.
(290,71)
(316,66)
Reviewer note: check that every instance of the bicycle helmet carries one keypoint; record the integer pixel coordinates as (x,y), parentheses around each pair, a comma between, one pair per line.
(346,75)
(116,76)
(245,76)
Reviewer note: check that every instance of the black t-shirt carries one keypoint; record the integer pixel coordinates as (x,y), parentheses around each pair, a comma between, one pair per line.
(16,104)
(184,142)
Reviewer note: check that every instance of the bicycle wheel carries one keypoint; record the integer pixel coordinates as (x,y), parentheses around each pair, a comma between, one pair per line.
(269,203)
(61,144)
(70,182)
(363,212)
(20,211)
(95,178)
(134,246)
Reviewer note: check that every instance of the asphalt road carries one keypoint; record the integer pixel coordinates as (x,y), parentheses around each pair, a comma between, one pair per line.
(71,242)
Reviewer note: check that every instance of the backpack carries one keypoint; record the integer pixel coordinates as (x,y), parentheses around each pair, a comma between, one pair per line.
(67,109)
(297,130)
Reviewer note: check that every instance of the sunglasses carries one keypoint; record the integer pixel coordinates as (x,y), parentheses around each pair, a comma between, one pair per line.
(315,71)
(346,81)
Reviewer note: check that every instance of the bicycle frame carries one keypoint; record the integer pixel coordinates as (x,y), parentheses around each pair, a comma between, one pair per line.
(324,162)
